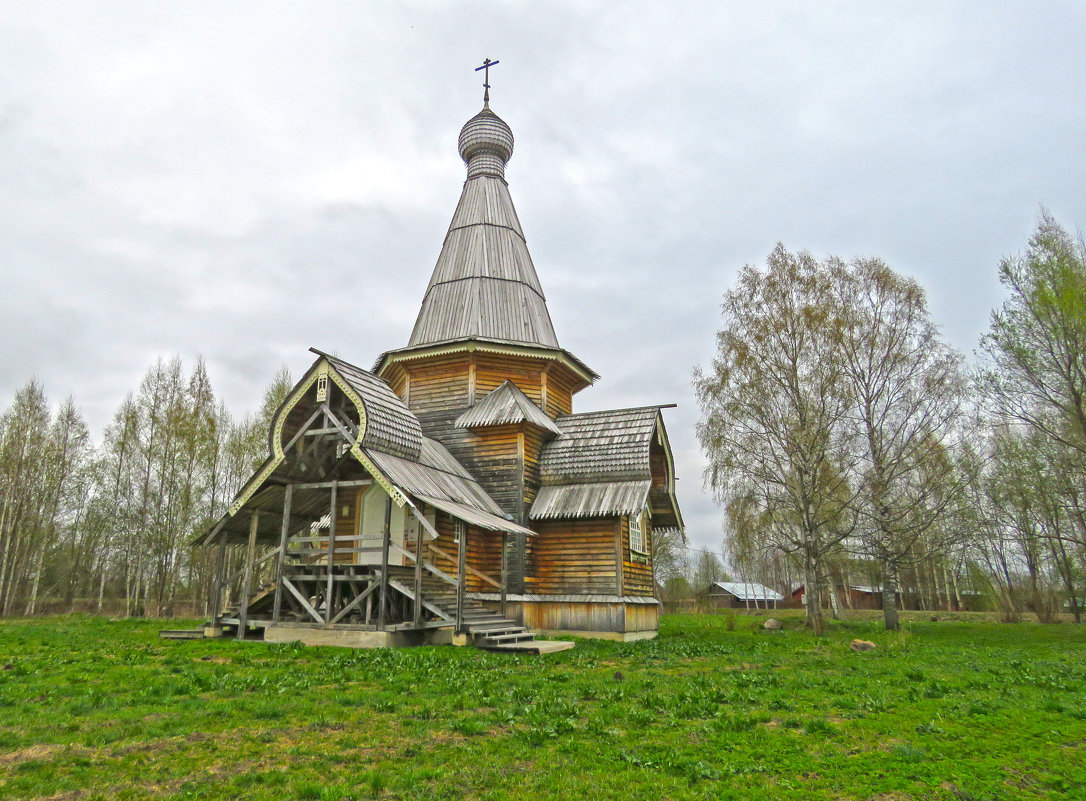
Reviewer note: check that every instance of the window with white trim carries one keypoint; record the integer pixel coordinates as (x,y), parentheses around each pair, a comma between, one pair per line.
(637,533)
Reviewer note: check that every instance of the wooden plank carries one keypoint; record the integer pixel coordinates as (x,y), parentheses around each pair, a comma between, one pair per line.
(288,496)
(250,553)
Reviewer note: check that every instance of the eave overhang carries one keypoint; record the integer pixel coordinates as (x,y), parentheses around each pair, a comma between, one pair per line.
(482,345)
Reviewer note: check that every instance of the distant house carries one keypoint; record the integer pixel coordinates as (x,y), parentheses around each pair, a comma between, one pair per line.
(859,596)
(742,595)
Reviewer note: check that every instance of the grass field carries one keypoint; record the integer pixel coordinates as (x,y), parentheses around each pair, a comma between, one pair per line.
(943,710)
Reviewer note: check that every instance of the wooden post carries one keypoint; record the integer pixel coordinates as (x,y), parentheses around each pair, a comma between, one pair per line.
(247,582)
(384,565)
(618,557)
(461,573)
(330,588)
(420,534)
(216,592)
(505,571)
(277,608)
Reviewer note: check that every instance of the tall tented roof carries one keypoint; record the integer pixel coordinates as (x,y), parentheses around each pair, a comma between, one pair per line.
(484,284)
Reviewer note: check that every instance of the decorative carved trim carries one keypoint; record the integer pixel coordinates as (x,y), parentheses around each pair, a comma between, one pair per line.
(322,371)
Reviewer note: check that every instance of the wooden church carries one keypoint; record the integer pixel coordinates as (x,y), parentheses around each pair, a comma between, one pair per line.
(451,493)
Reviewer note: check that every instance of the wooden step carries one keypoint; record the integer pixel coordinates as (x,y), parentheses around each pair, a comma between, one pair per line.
(531,646)
(182,634)
(496,639)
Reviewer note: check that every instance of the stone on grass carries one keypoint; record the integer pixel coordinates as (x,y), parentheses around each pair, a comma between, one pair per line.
(772,624)
(862,645)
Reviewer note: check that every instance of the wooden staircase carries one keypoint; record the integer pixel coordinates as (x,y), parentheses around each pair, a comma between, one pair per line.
(486,629)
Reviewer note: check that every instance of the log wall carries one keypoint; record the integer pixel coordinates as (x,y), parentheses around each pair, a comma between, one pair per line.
(572,556)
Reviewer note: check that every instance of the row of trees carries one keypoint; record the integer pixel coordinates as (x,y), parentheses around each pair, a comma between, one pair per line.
(107,526)
(841,429)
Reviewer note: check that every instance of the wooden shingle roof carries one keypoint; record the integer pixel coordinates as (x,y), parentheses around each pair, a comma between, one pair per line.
(590,500)
(600,446)
(484,283)
(506,405)
(390,425)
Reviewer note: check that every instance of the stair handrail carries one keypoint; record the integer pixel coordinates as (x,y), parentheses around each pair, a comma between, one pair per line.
(469,568)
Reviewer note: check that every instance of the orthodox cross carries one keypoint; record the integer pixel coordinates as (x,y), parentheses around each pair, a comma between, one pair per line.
(487,64)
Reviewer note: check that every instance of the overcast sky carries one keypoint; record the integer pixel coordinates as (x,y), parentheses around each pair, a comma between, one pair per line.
(244,180)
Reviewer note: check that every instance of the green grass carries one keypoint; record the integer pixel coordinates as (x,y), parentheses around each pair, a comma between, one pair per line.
(944,710)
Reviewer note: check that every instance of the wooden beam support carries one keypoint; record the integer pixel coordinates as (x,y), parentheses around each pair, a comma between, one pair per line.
(420,535)
(302,430)
(363,596)
(284,535)
(247,582)
(301,599)
(329,592)
(317,485)
(384,565)
(505,571)
(216,592)
(461,573)
(618,556)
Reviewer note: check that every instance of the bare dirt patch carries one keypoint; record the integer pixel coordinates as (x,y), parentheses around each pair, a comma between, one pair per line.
(39,751)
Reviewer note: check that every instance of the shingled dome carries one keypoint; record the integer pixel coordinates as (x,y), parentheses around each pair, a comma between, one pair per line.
(486,144)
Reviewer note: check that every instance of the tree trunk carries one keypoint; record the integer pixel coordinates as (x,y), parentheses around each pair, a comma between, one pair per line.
(813,595)
(889,597)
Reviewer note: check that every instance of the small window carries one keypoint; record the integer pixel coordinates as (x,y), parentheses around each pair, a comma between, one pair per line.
(637,534)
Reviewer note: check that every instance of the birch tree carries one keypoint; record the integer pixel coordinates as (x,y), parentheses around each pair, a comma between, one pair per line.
(907,389)
(1036,341)
(773,406)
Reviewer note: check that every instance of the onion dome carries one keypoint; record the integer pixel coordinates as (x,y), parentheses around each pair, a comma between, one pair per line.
(486,144)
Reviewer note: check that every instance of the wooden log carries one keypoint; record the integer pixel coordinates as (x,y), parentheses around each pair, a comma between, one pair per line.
(329,593)
(383,602)
(247,582)
(277,607)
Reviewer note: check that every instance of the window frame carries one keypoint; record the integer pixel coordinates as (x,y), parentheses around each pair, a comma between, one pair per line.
(638,521)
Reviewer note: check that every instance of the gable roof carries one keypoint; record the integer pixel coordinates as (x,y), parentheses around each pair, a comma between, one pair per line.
(390,426)
(749,591)
(602,465)
(506,405)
